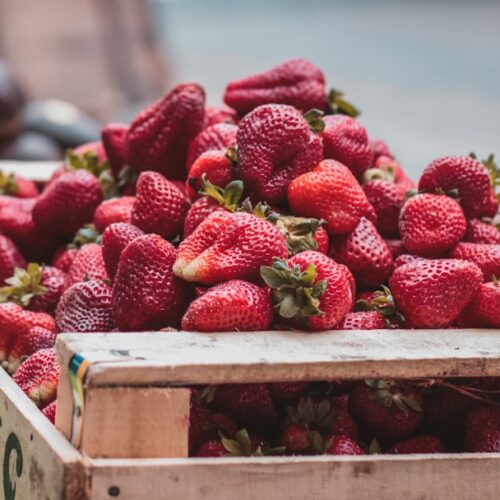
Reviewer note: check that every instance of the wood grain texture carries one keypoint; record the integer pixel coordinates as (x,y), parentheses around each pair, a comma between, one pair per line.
(183,357)
(417,477)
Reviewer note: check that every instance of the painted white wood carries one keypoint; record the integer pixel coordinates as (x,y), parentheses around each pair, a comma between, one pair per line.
(34,170)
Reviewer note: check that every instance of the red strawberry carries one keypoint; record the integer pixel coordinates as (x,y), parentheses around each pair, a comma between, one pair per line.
(369,320)
(430,224)
(15,185)
(113,138)
(467,176)
(211,449)
(114,240)
(365,253)
(38,377)
(159,206)
(158,138)
(10,258)
(387,199)
(18,336)
(346,140)
(275,145)
(86,307)
(198,212)
(329,192)
(407,258)
(350,280)
(418,444)
(220,114)
(201,422)
(63,258)
(235,305)
(146,294)
(68,203)
(482,430)
(88,263)
(388,410)
(310,291)
(228,246)
(287,391)
(484,309)
(95,148)
(394,171)
(37,288)
(487,257)
(296,82)
(343,445)
(481,232)
(219,136)
(396,247)
(113,210)
(295,438)
(380,148)
(491,208)
(432,293)
(50,411)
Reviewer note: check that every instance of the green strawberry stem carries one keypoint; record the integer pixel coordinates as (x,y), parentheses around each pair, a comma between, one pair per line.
(8,184)
(338,105)
(298,231)
(229,196)
(314,117)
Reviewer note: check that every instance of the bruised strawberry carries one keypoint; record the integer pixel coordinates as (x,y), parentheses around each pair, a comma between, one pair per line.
(310,291)
(484,309)
(418,444)
(68,203)
(235,305)
(10,258)
(159,206)
(464,174)
(346,141)
(158,138)
(216,137)
(86,307)
(15,185)
(431,224)
(329,192)
(275,145)
(296,82)
(219,114)
(50,411)
(113,210)
(146,294)
(432,293)
(87,264)
(228,246)
(369,320)
(387,410)
(113,138)
(482,232)
(38,377)
(63,258)
(343,445)
(365,253)
(487,257)
(482,430)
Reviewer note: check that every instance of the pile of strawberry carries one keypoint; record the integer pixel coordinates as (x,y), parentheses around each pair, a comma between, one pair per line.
(346,418)
(274,212)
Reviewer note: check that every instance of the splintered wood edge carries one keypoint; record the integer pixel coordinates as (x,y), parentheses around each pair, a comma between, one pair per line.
(39,171)
(196,358)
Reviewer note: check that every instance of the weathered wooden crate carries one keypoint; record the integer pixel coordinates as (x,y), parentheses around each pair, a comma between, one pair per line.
(135,405)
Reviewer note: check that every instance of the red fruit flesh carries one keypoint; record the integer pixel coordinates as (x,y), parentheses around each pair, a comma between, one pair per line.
(486,257)
(198,212)
(484,309)
(344,445)
(113,140)
(113,210)
(50,411)
(482,430)
(406,258)
(396,247)
(10,258)
(370,320)
(480,232)
(63,258)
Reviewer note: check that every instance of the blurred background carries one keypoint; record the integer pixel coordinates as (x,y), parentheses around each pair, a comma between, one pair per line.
(425,73)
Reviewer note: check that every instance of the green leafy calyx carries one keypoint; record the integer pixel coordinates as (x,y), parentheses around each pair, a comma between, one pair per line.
(338,105)
(24,285)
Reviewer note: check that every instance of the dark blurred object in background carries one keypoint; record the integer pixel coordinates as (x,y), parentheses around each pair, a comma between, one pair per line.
(11,102)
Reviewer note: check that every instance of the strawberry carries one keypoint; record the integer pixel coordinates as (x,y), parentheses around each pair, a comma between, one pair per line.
(114,240)
(215,137)
(219,114)
(396,247)
(158,138)
(350,280)
(96,148)
(87,264)
(113,138)
(389,169)
(380,148)
(287,391)
(113,210)
(68,203)
(10,258)
(234,305)
(213,166)
(295,438)
(343,445)
(388,410)
(228,246)
(482,232)
(146,294)
(18,336)
(487,257)
(63,258)
(387,199)
(198,212)
(407,258)
(365,253)
(329,192)
(418,444)
(201,421)
(38,377)
(482,430)
(430,224)
(50,411)
(296,82)
(37,288)
(346,141)
(86,307)
(276,145)
(432,293)
(159,206)
(211,449)
(15,185)
(369,320)
(484,309)
(310,291)
(467,176)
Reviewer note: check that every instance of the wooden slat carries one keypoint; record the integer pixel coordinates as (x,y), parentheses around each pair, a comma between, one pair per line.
(424,477)
(182,357)
(35,170)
